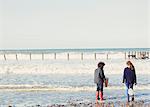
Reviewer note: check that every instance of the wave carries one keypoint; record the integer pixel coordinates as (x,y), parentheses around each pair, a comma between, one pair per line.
(69,67)
(61,88)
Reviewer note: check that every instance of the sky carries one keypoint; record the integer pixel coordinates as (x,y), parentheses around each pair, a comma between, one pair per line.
(74,24)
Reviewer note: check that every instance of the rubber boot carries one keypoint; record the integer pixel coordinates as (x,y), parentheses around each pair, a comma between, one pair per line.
(101,95)
(133,98)
(97,96)
(128,97)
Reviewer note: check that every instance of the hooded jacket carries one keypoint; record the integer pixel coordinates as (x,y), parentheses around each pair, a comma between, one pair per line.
(99,76)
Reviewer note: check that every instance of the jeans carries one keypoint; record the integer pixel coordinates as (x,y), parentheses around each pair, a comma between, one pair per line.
(100,86)
(129,85)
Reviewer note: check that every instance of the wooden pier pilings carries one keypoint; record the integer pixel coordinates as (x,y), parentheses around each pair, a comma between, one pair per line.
(95,57)
(125,55)
(81,56)
(16,57)
(30,56)
(68,56)
(55,56)
(42,56)
(107,56)
(5,57)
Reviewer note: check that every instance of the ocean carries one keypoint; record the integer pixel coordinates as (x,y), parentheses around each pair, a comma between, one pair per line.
(59,80)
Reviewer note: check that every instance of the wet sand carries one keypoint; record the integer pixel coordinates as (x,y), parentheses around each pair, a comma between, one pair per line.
(139,103)
(109,104)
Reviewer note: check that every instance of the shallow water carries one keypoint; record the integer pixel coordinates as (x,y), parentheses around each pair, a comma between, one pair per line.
(52,97)
(60,81)
(65,80)
(65,88)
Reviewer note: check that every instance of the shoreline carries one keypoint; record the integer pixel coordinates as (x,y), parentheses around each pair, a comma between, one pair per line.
(138,103)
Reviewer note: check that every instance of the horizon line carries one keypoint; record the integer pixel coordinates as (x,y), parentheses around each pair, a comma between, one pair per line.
(22,49)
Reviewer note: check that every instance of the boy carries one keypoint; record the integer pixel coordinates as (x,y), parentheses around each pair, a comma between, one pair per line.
(99,79)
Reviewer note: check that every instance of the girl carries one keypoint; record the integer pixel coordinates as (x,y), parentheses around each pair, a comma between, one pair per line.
(129,78)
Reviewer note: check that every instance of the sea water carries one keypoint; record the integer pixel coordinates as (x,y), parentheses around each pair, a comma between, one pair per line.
(60,81)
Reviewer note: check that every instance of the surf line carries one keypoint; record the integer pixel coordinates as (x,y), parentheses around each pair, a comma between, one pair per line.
(28,88)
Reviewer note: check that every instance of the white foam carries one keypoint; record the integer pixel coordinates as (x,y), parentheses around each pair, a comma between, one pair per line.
(114,65)
(67,88)
(70,67)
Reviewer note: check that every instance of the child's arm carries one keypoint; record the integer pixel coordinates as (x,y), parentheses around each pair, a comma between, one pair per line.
(102,76)
(124,76)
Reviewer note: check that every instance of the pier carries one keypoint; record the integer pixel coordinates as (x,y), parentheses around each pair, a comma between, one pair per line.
(80,56)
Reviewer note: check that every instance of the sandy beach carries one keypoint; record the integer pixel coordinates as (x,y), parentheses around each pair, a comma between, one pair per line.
(65,98)
(139,103)
(102,104)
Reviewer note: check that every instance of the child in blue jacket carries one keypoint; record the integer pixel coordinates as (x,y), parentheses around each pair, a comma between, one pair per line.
(129,78)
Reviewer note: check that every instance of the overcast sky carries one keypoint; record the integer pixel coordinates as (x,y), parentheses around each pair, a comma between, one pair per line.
(74,23)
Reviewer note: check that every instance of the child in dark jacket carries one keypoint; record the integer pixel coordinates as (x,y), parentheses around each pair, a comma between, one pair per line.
(129,78)
(99,79)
